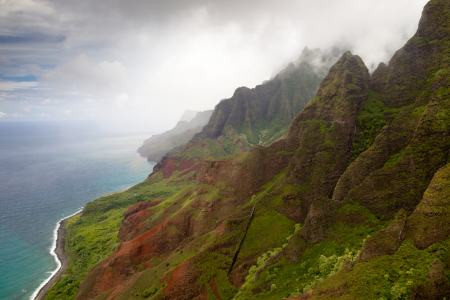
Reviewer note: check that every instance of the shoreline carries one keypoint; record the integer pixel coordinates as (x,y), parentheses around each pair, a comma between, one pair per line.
(58,251)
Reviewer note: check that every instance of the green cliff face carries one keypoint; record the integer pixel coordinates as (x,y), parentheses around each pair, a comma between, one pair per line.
(351,203)
(257,116)
(412,145)
(173,141)
(264,114)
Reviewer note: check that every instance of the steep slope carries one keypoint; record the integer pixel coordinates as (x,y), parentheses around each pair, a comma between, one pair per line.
(254,116)
(220,204)
(405,173)
(159,145)
(263,114)
(412,146)
(188,115)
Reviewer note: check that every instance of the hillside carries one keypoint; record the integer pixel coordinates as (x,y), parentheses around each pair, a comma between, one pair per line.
(351,202)
(263,114)
(157,146)
(257,116)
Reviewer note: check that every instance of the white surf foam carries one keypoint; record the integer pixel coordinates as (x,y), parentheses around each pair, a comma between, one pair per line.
(55,257)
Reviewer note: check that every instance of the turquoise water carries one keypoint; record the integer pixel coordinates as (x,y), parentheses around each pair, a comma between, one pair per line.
(49,171)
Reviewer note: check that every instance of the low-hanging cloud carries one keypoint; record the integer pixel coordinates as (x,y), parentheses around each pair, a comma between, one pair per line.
(83,77)
(12,85)
(155,59)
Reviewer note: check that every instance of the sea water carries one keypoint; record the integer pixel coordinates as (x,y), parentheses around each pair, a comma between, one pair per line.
(49,171)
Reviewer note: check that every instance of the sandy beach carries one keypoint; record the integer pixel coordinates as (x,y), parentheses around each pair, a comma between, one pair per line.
(60,252)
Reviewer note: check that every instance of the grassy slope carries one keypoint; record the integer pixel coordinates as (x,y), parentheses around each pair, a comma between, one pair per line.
(93,236)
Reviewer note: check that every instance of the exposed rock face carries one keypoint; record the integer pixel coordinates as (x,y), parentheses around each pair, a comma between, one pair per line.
(134,217)
(324,133)
(324,130)
(246,177)
(168,165)
(158,145)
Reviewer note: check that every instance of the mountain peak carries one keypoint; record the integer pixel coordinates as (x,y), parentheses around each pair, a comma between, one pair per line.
(308,55)
(188,115)
(435,21)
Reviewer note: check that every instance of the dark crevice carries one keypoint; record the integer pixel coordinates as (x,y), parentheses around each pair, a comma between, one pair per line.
(242,240)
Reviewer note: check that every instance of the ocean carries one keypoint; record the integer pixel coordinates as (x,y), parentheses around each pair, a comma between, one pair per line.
(48,171)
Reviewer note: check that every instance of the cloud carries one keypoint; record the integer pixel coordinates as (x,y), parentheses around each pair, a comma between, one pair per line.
(27,110)
(26,7)
(2,114)
(13,85)
(121,100)
(83,77)
(51,102)
(151,60)
(30,38)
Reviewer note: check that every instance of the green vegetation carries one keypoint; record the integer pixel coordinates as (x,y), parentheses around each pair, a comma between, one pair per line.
(370,120)
(393,159)
(147,293)
(387,277)
(317,262)
(93,236)
(276,228)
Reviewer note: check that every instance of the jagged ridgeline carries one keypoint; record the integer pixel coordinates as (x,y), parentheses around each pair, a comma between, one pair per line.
(173,141)
(352,203)
(263,114)
(257,116)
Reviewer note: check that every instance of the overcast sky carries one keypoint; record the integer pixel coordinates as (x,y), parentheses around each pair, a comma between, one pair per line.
(144,62)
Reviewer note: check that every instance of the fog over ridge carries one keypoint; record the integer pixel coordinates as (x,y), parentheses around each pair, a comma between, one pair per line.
(145,62)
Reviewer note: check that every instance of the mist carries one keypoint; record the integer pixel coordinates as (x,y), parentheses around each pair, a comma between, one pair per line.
(141,64)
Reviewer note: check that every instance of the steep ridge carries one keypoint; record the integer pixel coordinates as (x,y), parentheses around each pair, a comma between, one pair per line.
(228,186)
(405,172)
(188,115)
(257,116)
(351,203)
(260,114)
(417,139)
(172,141)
